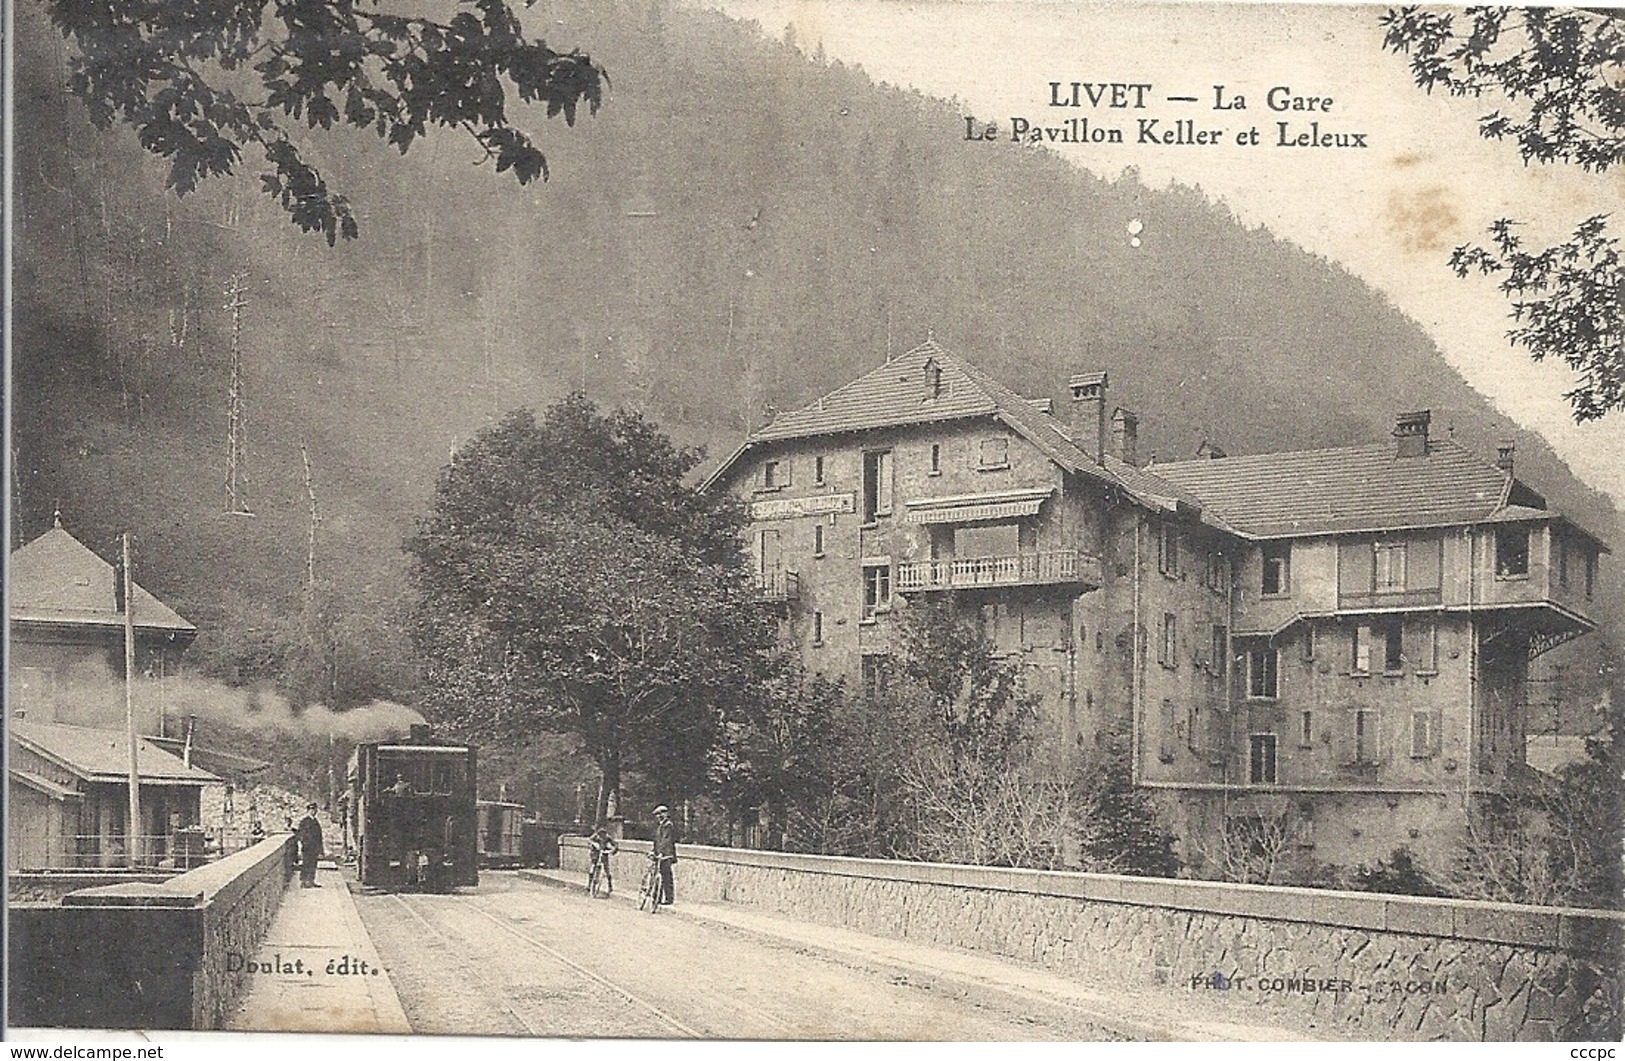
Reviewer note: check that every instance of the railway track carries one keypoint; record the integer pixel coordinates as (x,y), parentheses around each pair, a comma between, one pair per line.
(512,1006)
(715,1000)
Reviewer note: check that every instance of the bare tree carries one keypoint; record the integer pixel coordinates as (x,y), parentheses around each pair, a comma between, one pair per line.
(1252,849)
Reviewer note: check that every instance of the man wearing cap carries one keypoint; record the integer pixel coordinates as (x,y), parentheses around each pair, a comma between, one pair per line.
(310,847)
(665,851)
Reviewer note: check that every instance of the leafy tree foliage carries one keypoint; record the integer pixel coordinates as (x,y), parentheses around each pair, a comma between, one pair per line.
(1569,302)
(1559,72)
(202,81)
(775,755)
(951,667)
(569,581)
(1398,874)
(1115,820)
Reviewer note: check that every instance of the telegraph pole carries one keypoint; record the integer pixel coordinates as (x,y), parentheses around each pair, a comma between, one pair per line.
(133,830)
(236,411)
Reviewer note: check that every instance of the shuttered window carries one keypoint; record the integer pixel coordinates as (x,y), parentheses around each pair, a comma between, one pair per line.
(1425,562)
(1356,568)
(1423,734)
(1261,759)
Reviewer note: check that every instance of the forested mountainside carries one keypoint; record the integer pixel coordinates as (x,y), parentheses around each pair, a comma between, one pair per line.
(741,228)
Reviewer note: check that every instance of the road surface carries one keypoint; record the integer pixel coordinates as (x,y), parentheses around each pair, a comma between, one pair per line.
(515,957)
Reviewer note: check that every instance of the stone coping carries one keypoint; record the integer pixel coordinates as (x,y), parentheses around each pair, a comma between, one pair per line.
(1555,928)
(215,880)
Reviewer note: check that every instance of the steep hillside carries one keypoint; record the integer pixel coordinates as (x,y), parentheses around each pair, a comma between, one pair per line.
(740,228)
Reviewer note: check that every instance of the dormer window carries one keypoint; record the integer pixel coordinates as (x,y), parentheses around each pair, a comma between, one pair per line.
(933,379)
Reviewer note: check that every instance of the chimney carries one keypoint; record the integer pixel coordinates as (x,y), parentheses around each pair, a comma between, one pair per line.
(1503,455)
(1411,434)
(1089,412)
(1126,436)
(1210,450)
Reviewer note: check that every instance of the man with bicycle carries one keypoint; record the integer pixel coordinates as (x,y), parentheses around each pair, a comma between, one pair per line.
(665,851)
(600,846)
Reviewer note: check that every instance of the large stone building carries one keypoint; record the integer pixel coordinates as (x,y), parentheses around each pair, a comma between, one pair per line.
(1335,639)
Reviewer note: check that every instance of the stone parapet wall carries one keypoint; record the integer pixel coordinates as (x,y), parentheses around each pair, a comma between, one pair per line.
(242,894)
(48,886)
(1355,963)
(143,954)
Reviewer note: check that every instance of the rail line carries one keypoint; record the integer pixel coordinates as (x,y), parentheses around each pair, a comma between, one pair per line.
(562,959)
(468,968)
(507,1002)
(737,1005)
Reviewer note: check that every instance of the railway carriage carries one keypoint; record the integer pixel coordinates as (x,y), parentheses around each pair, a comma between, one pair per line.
(501,833)
(412,814)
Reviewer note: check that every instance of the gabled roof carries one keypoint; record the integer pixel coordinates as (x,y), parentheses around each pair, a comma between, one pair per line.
(896,395)
(1353,489)
(1269,495)
(104,754)
(891,395)
(56,579)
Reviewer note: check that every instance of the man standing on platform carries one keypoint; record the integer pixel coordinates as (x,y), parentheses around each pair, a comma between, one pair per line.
(310,847)
(665,850)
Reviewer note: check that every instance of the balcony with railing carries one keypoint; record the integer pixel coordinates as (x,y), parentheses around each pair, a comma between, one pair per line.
(1051,567)
(778,587)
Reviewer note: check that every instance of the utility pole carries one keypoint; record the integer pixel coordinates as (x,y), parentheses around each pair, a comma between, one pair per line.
(133,830)
(315,519)
(236,438)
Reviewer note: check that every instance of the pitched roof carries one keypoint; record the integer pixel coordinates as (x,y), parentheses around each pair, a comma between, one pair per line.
(104,754)
(1267,495)
(896,394)
(891,395)
(56,579)
(1351,489)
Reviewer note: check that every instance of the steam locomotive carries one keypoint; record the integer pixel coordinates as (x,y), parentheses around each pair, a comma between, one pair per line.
(411,814)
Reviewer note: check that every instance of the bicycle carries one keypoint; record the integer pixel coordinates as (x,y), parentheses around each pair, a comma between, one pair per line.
(598,883)
(649,892)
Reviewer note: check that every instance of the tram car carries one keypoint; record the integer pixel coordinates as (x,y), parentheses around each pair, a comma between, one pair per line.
(501,833)
(412,814)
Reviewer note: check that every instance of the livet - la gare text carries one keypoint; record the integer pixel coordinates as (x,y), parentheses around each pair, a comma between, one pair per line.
(1299,124)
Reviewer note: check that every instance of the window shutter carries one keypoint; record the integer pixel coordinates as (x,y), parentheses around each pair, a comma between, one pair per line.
(1426,562)
(1356,568)
(1347,744)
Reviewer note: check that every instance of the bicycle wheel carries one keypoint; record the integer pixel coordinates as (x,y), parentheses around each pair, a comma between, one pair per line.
(649,893)
(595,880)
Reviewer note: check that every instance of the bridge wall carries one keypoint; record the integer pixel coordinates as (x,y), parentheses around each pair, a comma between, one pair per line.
(143,954)
(1367,965)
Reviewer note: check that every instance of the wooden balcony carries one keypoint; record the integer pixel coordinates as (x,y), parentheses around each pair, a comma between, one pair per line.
(778,587)
(1053,567)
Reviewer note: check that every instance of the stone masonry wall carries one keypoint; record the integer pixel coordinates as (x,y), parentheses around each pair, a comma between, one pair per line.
(1365,965)
(145,954)
(243,892)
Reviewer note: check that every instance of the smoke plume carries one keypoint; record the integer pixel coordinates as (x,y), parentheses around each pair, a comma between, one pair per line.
(92,696)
